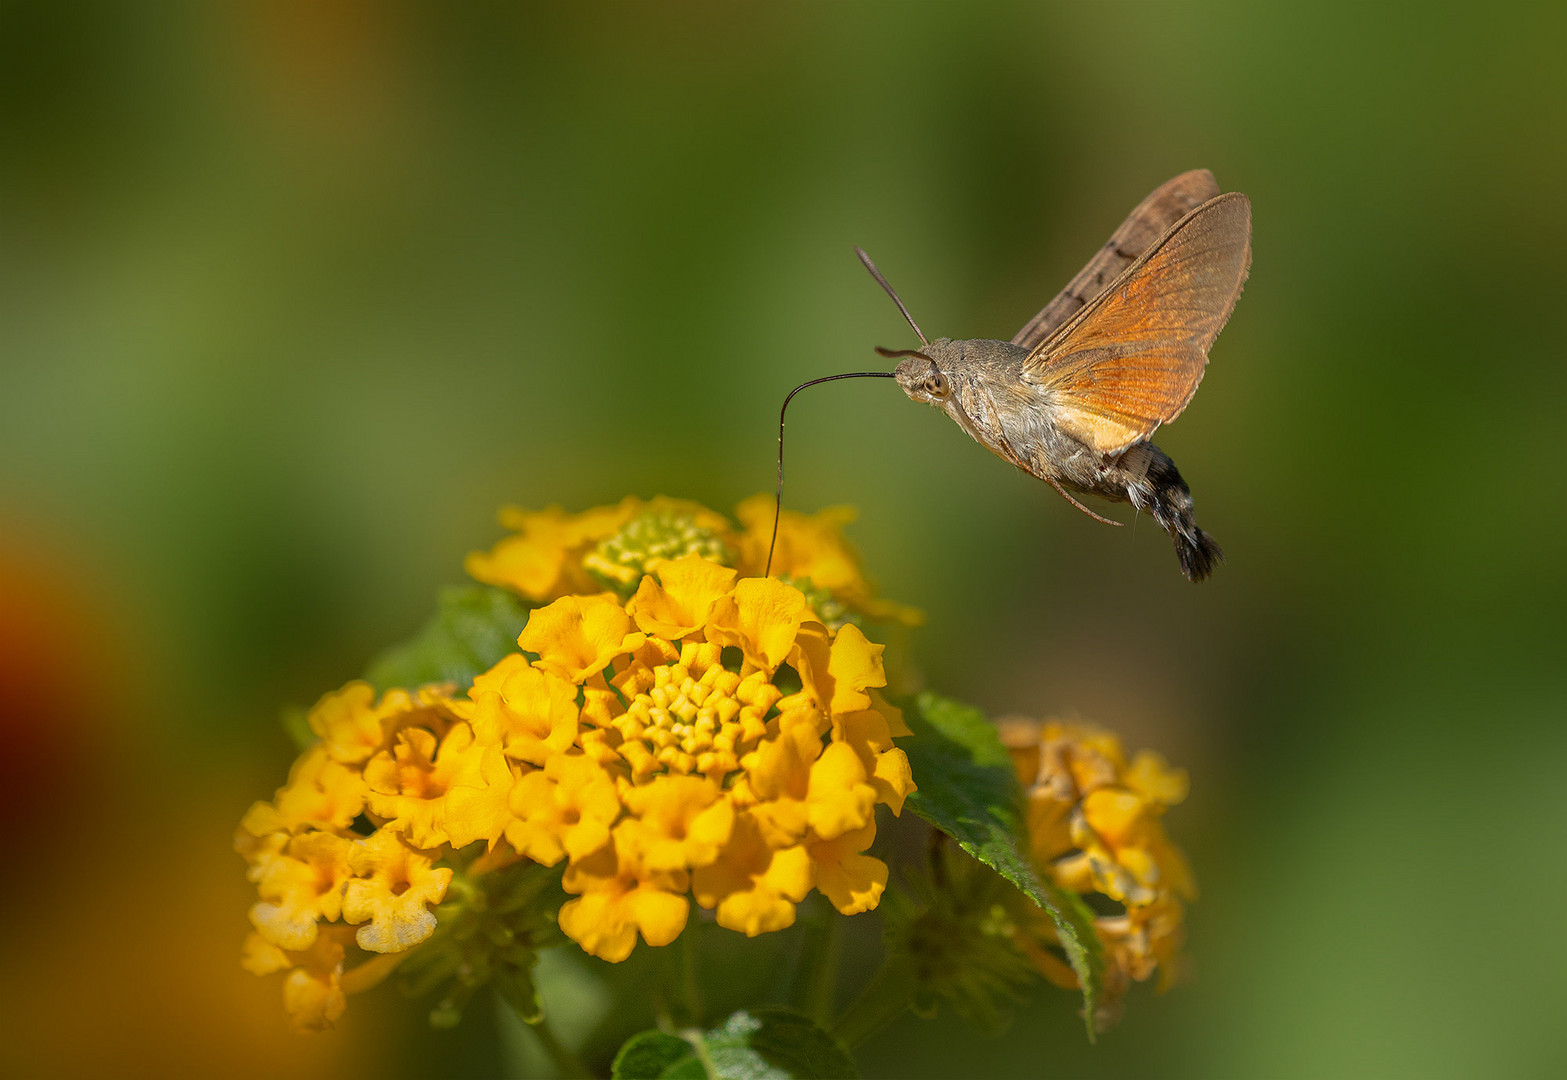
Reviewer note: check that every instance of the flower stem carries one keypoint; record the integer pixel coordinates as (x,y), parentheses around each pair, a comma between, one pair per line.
(356,980)
(818,979)
(889,993)
(566,1062)
(690,957)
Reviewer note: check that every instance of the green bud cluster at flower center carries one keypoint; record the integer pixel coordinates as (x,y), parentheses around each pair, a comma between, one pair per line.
(828,608)
(620,561)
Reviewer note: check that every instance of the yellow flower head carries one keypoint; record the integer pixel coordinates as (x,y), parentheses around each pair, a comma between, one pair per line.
(1094,825)
(668,728)
(688,763)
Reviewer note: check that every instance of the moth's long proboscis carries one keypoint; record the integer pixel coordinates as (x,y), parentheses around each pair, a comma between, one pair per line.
(778,501)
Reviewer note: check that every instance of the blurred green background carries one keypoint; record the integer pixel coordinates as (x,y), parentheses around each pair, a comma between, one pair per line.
(296,294)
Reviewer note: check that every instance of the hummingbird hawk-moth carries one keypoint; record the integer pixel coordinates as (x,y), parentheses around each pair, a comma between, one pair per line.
(1075,395)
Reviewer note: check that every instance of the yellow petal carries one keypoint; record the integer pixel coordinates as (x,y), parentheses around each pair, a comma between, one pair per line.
(535,840)
(812,658)
(781,767)
(348,722)
(577,636)
(595,922)
(839,799)
(855,665)
(531,562)
(866,730)
(789,873)
(393,894)
(1114,814)
(530,711)
(1152,777)
(681,599)
(755,911)
(852,881)
(893,779)
(760,617)
(894,715)
(658,914)
(313,999)
(476,804)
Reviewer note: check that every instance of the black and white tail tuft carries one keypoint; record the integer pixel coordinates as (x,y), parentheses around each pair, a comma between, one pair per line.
(1165,495)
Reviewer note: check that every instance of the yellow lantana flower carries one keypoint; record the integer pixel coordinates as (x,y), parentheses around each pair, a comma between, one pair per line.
(686,730)
(1094,827)
(716,771)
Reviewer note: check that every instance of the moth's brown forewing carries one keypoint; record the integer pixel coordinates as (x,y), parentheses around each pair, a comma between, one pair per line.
(1153,217)
(1132,358)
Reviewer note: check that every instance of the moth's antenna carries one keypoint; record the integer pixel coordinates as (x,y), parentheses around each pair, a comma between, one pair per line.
(875,273)
(778,502)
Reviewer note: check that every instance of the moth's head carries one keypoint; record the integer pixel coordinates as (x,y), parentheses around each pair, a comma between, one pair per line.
(922,377)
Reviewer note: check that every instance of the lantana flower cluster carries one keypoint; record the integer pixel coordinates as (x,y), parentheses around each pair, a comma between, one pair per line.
(667,730)
(1094,828)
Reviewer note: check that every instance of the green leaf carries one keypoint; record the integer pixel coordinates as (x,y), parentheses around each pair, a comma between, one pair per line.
(756,1044)
(296,724)
(968,789)
(654,1054)
(473,628)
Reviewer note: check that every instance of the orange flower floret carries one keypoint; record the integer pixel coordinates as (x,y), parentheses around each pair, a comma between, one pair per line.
(755,886)
(408,783)
(566,808)
(838,798)
(761,617)
(853,881)
(394,886)
(812,548)
(677,822)
(320,794)
(298,886)
(348,722)
(531,712)
(681,598)
(621,897)
(478,800)
(577,636)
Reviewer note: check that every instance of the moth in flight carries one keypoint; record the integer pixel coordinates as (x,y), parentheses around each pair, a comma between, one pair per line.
(1077,393)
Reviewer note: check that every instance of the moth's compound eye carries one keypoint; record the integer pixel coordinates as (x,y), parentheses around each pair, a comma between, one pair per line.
(936,384)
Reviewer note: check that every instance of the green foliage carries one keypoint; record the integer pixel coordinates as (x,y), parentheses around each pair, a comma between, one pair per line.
(474,626)
(296,725)
(968,790)
(489,932)
(953,936)
(756,1044)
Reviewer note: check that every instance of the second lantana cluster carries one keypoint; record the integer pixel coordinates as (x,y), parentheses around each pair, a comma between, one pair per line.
(1094,825)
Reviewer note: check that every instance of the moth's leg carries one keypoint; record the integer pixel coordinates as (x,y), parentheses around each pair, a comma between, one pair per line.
(1068,497)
